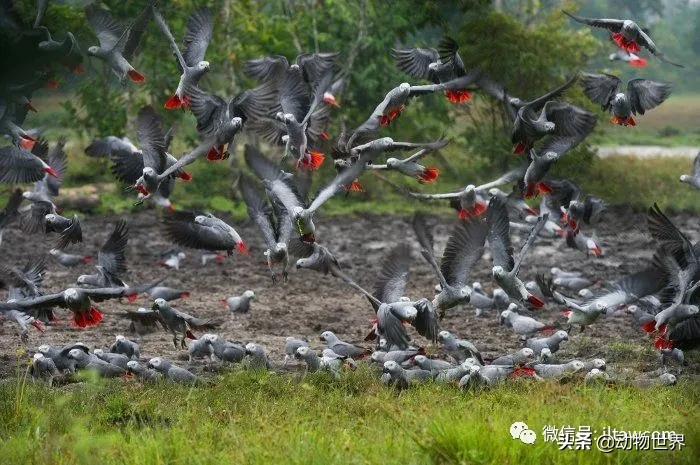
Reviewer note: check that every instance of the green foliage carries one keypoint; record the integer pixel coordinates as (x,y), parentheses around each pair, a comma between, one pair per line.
(258,417)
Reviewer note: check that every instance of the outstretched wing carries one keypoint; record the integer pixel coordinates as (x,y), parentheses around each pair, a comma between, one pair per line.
(390,285)
(111,256)
(415,61)
(198,34)
(258,210)
(464,248)
(499,234)
(612,25)
(644,95)
(670,238)
(600,88)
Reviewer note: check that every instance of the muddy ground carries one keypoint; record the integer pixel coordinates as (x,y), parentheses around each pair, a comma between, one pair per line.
(311,303)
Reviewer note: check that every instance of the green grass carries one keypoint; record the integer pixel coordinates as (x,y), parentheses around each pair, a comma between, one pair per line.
(252,417)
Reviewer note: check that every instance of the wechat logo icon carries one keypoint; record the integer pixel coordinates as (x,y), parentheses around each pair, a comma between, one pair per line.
(520,430)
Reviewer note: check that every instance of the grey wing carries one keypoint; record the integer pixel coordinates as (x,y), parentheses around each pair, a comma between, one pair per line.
(294,94)
(686,335)
(600,88)
(206,108)
(107,30)
(390,285)
(426,321)
(198,34)
(149,132)
(270,130)
(696,165)
(448,50)
(539,102)
(569,120)
(169,37)
(136,30)
(147,318)
(107,146)
(372,123)
(499,234)
(32,221)
(464,248)
(612,25)
(58,161)
(19,166)
(265,68)
(642,283)
(436,145)
(644,95)
(318,122)
(415,61)
(298,248)
(510,176)
(350,282)
(111,256)
(645,41)
(181,229)
(127,166)
(534,232)
(258,210)
(71,234)
(670,238)
(423,232)
(11,210)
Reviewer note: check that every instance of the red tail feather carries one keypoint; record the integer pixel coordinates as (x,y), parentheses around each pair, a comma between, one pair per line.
(313,162)
(659,343)
(242,248)
(547,330)
(522,371)
(395,112)
(26,143)
(627,45)
(189,335)
(355,186)
(173,103)
(215,153)
(87,260)
(223,302)
(462,214)
(478,209)
(429,174)
(638,62)
(132,297)
(51,172)
(324,135)
(535,301)
(136,76)
(185,295)
(37,324)
(185,176)
(544,188)
(384,120)
(530,191)
(566,313)
(649,326)
(519,148)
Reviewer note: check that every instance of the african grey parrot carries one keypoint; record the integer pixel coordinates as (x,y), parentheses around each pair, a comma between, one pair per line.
(198,34)
(410,166)
(589,211)
(44,368)
(402,378)
(88,361)
(172,372)
(126,347)
(200,348)
(168,293)
(202,232)
(225,350)
(60,355)
(142,372)
(119,360)
(299,123)
(505,269)
(584,243)
(275,222)
(693,179)
(522,325)
(460,349)
(550,342)
(118,44)
(18,165)
(342,348)
(291,344)
(399,356)
(239,303)
(172,320)
(70,260)
(557,371)
(596,363)
(626,34)
(257,359)
(432,365)
(516,358)
(641,95)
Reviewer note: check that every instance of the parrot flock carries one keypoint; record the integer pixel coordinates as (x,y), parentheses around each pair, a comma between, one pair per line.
(289,108)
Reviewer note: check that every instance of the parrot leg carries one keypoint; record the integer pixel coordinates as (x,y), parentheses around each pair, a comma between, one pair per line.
(183,345)
(175,340)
